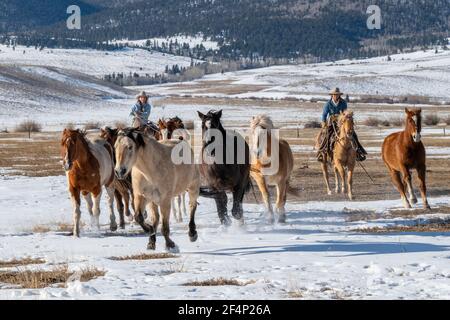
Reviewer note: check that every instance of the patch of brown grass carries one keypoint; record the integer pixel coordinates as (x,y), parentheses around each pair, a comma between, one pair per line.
(436,227)
(152,256)
(41,229)
(38,279)
(216,282)
(20,262)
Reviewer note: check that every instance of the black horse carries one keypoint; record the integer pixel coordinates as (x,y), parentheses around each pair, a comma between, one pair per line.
(225,165)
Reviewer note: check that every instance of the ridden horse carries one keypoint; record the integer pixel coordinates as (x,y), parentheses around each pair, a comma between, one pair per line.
(156,180)
(88,162)
(225,165)
(344,153)
(167,129)
(404,151)
(123,188)
(275,155)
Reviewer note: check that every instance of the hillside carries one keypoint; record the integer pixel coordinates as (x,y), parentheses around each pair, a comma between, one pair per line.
(284,28)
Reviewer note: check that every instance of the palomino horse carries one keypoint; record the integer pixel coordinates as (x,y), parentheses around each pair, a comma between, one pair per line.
(344,154)
(89,166)
(403,151)
(156,180)
(123,188)
(225,165)
(167,129)
(264,158)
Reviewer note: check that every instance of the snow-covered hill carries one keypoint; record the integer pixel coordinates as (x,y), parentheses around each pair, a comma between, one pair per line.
(423,73)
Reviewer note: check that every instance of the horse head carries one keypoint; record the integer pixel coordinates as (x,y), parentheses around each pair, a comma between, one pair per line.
(128,142)
(414,123)
(211,126)
(261,127)
(109,134)
(346,123)
(71,142)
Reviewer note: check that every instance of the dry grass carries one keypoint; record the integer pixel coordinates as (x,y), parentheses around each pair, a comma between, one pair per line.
(433,227)
(216,282)
(153,256)
(93,125)
(372,122)
(41,229)
(313,125)
(295,294)
(20,262)
(38,279)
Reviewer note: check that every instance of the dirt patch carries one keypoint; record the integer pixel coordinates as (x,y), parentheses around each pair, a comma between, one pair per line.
(38,279)
(432,227)
(21,262)
(216,282)
(154,256)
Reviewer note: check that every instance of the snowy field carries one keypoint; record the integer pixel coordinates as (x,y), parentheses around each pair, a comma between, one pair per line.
(317,254)
(181,39)
(418,73)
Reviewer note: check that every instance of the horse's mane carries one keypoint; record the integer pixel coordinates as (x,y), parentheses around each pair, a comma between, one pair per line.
(263,121)
(134,134)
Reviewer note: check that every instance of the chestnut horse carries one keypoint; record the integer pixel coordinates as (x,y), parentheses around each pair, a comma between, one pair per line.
(344,153)
(157,179)
(88,163)
(404,151)
(268,155)
(167,129)
(123,188)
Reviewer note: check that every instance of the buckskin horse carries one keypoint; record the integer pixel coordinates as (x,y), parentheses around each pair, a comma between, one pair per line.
(225,165)
(274,155)
(156,180)
(88,163)
(404,151)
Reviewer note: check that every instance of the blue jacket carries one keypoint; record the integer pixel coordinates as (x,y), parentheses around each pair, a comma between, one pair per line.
(330,109)
(141,111)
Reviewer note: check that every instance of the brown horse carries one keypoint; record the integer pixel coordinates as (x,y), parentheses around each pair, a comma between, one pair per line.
(277,158)
(89,166)
(344,153)
(123,188)
(404,151)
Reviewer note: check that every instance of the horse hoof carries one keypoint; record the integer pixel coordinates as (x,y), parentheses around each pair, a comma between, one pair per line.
(122,226)
(193,237)
(151,246)
(226,221)
(172,248)
(427,206)
(282,220)
(113,227)
(330,193)
(413,201)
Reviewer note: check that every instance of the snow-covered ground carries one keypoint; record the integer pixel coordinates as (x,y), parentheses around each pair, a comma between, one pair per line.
(317,254)
(422,73)
(92,62)
(180,39)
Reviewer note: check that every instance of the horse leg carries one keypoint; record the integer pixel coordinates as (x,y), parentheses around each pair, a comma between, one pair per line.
(221,203)
(324,165)
(112,217)
(126,200)
(421,172)
(262,186)
(89,204)
(281,201)
(139,207)
(165,212)
(407,182)
(75,196)
(193,196)
(153,208)
(396,179)
(178,203)
(173,209)
(350,182)
(336,179)
(183,202)
(120,208)
(237,210)
(96,217)
(340,168)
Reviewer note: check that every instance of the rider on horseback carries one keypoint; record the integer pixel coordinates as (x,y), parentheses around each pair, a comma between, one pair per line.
(140,112)
(326,137)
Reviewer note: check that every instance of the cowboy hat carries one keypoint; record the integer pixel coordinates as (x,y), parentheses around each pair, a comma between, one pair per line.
(336,91)
(142,94)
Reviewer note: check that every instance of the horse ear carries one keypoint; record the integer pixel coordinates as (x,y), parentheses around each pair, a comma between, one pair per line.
(201,115)
(139,139)
(219,114)
(406,110)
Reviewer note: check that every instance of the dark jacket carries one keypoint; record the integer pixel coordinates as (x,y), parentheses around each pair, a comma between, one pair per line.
(330,109)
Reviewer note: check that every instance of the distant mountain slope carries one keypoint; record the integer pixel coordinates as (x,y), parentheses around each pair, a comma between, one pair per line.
(329,29)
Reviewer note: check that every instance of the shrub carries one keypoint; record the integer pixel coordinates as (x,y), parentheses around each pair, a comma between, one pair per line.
(398,122)
(28,126)
(447,120)
(432,119)
(385,123)
(70,126)
(372,122)
(92,125)
(313,125)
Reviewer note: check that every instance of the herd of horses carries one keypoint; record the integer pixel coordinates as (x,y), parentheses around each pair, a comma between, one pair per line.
(136,168)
